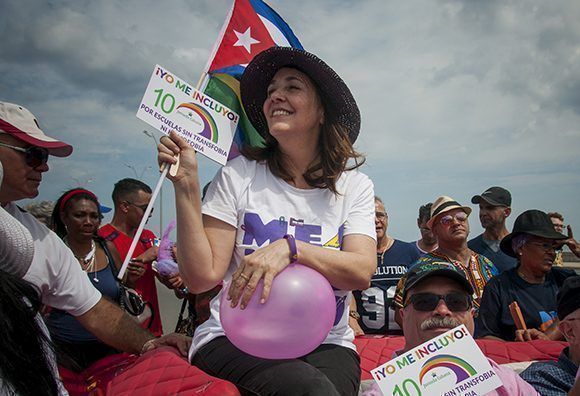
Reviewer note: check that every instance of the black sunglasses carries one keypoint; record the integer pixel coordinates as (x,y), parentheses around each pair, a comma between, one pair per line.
(34,156)
(425,302)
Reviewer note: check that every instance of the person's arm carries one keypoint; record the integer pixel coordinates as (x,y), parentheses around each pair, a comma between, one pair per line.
(522,335)
(204,244)
(348,269)
(353,319)
(575,391)
(172,282)
(148,255)
(572,244)
(114,327)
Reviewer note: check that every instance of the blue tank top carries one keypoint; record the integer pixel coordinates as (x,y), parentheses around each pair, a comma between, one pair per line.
(65,327)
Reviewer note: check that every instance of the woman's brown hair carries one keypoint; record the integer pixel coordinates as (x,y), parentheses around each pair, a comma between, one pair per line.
(334,152)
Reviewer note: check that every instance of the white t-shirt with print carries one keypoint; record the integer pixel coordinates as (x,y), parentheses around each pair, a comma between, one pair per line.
(55,270)
(264,208)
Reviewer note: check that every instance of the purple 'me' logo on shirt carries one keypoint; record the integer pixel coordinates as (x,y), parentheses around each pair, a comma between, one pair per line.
(258,233)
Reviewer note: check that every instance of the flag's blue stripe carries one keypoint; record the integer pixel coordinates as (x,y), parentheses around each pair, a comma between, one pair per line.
(265,11)
(235,71)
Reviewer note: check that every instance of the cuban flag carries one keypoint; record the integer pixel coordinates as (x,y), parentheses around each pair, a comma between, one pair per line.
(250,28)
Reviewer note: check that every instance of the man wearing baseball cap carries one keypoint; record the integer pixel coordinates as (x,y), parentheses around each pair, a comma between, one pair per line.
(494,208)
(436,298)
(562,377)
(54,270)
(449,222)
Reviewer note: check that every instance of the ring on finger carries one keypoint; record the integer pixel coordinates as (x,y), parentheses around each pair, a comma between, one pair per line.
(244,277)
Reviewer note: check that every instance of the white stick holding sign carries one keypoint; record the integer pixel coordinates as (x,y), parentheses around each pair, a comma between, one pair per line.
(450,364)
(170,103)
(142,224)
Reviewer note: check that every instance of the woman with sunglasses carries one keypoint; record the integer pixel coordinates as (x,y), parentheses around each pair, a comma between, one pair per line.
(76,218)
(533,284)
(297,199)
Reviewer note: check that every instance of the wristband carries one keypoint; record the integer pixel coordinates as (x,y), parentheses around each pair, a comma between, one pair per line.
(293,250)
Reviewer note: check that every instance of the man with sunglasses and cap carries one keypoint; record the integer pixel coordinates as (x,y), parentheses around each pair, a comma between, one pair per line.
(54,270)
(561,376)
(450,225)
(494,208)
(437,297)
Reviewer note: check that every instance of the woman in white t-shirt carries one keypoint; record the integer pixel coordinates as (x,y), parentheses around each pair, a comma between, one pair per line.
(299,198)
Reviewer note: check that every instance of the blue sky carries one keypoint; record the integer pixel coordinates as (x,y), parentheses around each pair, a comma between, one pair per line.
(455,96)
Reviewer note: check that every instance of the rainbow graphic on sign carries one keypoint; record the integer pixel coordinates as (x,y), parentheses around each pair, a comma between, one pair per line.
(209,130)
(460,367)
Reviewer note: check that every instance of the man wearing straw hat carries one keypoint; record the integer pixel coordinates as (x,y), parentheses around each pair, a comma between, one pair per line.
(24,152)
(450,225)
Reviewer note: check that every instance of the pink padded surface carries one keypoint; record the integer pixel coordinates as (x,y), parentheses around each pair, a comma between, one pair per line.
(164,372)
(376,350)
(159,372)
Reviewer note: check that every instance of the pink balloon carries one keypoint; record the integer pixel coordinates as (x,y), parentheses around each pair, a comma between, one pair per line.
(294,321)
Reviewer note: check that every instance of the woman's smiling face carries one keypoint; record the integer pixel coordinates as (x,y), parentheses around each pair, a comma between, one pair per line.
(293,105)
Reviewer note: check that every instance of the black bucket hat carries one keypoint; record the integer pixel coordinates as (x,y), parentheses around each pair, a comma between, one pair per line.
(334,93)
(532,222)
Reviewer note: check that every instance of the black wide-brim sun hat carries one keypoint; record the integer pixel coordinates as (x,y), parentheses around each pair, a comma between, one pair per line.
(334,93)
(532,222)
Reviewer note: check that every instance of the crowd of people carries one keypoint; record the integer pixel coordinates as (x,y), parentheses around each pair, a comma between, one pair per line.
(299,198)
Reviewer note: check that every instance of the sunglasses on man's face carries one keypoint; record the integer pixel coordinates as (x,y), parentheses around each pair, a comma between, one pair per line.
(448,219)
(426,302)
(34,156)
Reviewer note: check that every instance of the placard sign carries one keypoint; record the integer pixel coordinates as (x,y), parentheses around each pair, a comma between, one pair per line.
(450,364)
(170,103)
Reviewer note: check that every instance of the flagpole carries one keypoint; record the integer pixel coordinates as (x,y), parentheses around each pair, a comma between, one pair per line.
(220,38)
(144,219)
(202,79)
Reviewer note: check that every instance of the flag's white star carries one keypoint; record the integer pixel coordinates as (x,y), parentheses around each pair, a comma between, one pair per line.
(245,40)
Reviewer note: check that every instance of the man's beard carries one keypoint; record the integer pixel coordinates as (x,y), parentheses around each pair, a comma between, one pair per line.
(436,322)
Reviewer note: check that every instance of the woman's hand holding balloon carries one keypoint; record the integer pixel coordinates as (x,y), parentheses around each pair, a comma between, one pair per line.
(265,263)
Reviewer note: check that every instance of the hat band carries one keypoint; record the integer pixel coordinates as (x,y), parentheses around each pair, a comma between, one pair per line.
(445,205)
(8,127)
(71,194)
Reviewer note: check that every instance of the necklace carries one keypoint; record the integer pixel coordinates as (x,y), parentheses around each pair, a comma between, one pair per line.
(390,242)
(88,261)
(527,278)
